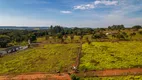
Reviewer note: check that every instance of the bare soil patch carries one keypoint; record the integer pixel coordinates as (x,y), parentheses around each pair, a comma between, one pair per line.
(37,76)
(113,72)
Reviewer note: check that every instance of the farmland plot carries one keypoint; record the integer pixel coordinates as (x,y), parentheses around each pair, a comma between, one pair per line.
(107,55)
(46,58)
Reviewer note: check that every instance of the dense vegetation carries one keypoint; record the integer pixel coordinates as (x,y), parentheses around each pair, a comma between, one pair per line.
(107,55)
(15,37)
(119,32)
(103,48)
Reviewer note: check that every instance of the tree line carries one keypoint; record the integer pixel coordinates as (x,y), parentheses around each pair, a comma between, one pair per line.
(9,37)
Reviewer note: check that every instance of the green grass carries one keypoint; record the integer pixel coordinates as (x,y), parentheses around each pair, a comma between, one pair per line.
(107,55)
(47,58)
(40,39)
(115,78)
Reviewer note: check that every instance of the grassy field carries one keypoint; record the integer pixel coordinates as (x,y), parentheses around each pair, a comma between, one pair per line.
(46,58)
(115,78)
(107,55)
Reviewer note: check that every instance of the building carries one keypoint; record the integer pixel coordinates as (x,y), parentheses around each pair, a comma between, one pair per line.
(10,50)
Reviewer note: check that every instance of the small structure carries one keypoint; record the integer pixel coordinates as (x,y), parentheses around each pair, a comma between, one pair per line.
(13,49)
(111,33)
(10,50)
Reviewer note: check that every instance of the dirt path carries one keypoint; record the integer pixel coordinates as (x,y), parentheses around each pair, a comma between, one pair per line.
(78,56)
(114,72)
(37,76)
(63,76)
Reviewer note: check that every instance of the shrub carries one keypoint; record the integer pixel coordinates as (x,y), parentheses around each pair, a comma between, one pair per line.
(140,32)
(74,77)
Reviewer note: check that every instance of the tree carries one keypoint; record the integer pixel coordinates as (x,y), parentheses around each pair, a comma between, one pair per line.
(54,38)
(51,30)
(57,29)
(140,32)
(33,38)
(81,37)
(132,34)
(116,27)
(4,40)
(125,34)
(88,41)
(46,36)
(60,36)
(136,27)
(99,35)
(122,36)
(71,37)
(89,30)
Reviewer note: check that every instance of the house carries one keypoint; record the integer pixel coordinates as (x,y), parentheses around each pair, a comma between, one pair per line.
(12,49)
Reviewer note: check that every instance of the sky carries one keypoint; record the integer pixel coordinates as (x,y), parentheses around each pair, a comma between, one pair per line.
(70,13)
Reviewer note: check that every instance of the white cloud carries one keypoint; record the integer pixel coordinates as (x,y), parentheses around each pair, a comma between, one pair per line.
(66,12)
(94,4)
(106,2)
(83,7)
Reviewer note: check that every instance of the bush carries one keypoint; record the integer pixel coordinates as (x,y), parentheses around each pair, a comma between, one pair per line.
(140,32)
(74,77)
(122,36)
(99,36)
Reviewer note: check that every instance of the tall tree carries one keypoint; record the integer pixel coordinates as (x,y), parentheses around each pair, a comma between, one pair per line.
(60,36)
(4,40)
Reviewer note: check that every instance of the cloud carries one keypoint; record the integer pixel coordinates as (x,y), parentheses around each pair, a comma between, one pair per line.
(94,4)
(83,7)
(126,12)
(106,2)
(66,12)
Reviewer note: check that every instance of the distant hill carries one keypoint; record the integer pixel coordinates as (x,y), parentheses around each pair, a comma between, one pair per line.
(23,28)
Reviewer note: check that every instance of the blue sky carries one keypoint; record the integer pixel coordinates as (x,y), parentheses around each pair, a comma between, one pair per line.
(71,13)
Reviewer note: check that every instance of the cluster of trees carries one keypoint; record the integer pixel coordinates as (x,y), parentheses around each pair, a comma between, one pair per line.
(11,36)
(62,33)
(136,27)
(4,39)
(99,35)
(116,27)
(17,36)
